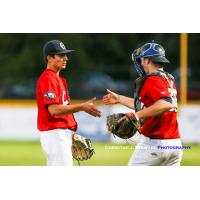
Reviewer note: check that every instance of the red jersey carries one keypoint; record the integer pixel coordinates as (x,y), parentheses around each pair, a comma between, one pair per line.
(52,89)
(164,126)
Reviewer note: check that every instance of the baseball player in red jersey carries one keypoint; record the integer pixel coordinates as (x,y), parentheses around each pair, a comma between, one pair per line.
(55,113)
(155,105)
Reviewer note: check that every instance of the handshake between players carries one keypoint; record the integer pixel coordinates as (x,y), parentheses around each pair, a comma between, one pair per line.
(154,109)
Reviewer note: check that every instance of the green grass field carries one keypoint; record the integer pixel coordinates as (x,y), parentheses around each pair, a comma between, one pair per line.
(18,153)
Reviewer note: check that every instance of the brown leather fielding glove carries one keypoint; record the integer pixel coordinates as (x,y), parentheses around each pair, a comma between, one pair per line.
(81,148)
(124,129)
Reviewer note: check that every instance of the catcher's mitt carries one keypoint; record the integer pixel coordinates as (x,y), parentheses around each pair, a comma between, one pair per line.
(124,129)
(81,148)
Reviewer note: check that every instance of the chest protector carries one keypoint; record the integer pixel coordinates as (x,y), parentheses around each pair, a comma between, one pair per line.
(140,82)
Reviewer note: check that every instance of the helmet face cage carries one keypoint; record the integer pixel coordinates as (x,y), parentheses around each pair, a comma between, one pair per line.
(138,66)
(147,50)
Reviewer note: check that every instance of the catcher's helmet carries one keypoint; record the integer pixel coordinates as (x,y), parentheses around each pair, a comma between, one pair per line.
(151,50)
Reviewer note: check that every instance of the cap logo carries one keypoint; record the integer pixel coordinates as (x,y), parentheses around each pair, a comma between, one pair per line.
(62,45)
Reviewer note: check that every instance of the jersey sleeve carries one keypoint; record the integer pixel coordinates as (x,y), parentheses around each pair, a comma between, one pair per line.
(157,88)
(50,91)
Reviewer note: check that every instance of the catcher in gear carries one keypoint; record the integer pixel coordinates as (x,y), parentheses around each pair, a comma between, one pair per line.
(154,105)
(81,148)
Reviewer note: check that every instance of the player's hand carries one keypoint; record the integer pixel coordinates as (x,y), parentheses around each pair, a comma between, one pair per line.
(128,116)
(89,108)
(110,98)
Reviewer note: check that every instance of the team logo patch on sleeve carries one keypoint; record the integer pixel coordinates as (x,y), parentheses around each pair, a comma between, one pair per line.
(50,95)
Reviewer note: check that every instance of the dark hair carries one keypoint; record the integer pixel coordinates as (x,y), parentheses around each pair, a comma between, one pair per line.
(45,59)
(159,64)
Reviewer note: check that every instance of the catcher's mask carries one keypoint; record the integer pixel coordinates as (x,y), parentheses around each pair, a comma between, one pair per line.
(151,50)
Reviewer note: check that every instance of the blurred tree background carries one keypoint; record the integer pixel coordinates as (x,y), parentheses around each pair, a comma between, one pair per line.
(105,58)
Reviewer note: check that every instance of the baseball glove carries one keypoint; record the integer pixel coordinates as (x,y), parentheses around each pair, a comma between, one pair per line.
(124,129)
(81,148)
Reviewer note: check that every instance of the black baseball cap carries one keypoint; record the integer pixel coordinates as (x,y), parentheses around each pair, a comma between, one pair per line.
(53,47)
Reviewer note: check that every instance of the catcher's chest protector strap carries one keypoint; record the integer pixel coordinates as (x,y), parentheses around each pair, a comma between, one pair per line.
(140,82)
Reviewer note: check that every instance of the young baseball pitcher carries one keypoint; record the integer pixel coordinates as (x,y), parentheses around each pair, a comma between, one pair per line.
(155,105)
(55,113)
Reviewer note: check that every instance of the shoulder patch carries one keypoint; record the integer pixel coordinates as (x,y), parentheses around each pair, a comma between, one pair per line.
(50,95)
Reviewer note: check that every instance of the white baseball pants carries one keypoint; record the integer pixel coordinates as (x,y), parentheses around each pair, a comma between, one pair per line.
(56,145)
(156,152)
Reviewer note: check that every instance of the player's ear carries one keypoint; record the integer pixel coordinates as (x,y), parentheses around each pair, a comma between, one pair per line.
(148,61)
(49,57)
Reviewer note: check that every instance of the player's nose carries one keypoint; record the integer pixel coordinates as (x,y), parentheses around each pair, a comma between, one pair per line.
(65,58)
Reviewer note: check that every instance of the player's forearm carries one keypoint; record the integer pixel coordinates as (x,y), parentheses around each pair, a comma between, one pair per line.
(126,101)
(156,109)
(56,110)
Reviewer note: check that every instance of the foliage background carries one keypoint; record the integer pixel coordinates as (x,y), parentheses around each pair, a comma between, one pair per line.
(22,60)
